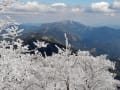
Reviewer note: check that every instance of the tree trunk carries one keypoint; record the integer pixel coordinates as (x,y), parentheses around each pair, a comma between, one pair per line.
(67,84)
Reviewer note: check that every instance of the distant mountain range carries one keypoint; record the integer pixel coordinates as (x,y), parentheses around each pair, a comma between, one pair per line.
(98,40)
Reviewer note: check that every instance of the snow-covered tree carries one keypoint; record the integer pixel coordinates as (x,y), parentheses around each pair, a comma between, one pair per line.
(82,72)
(40,44)
(12,33)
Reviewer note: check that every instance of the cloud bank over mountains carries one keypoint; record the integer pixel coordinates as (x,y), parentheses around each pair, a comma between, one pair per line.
(38,8)
(116,4)
(96,13)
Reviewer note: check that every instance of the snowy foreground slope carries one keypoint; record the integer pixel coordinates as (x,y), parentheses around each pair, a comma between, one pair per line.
(20,70)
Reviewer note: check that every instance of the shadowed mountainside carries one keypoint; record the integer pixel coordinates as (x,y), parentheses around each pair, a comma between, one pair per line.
(98,40)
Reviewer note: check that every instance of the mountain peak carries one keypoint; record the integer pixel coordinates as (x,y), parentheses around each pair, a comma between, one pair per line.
(68,21)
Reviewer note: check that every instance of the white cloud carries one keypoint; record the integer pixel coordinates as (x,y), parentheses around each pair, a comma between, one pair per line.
(101,7)
(59,5)
(36,11)
(32,6)
(77,9)
(38,8)
(116,4)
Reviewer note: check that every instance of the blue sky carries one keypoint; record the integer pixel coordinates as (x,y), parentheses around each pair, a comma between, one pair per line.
(69,2)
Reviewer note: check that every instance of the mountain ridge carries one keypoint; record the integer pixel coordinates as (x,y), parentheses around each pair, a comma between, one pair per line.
(104,40)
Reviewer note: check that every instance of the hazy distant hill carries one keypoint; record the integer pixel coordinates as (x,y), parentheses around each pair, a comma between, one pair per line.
(99,40)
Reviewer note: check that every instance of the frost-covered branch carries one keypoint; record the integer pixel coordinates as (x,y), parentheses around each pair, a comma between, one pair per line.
(40,44)
(13,32)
